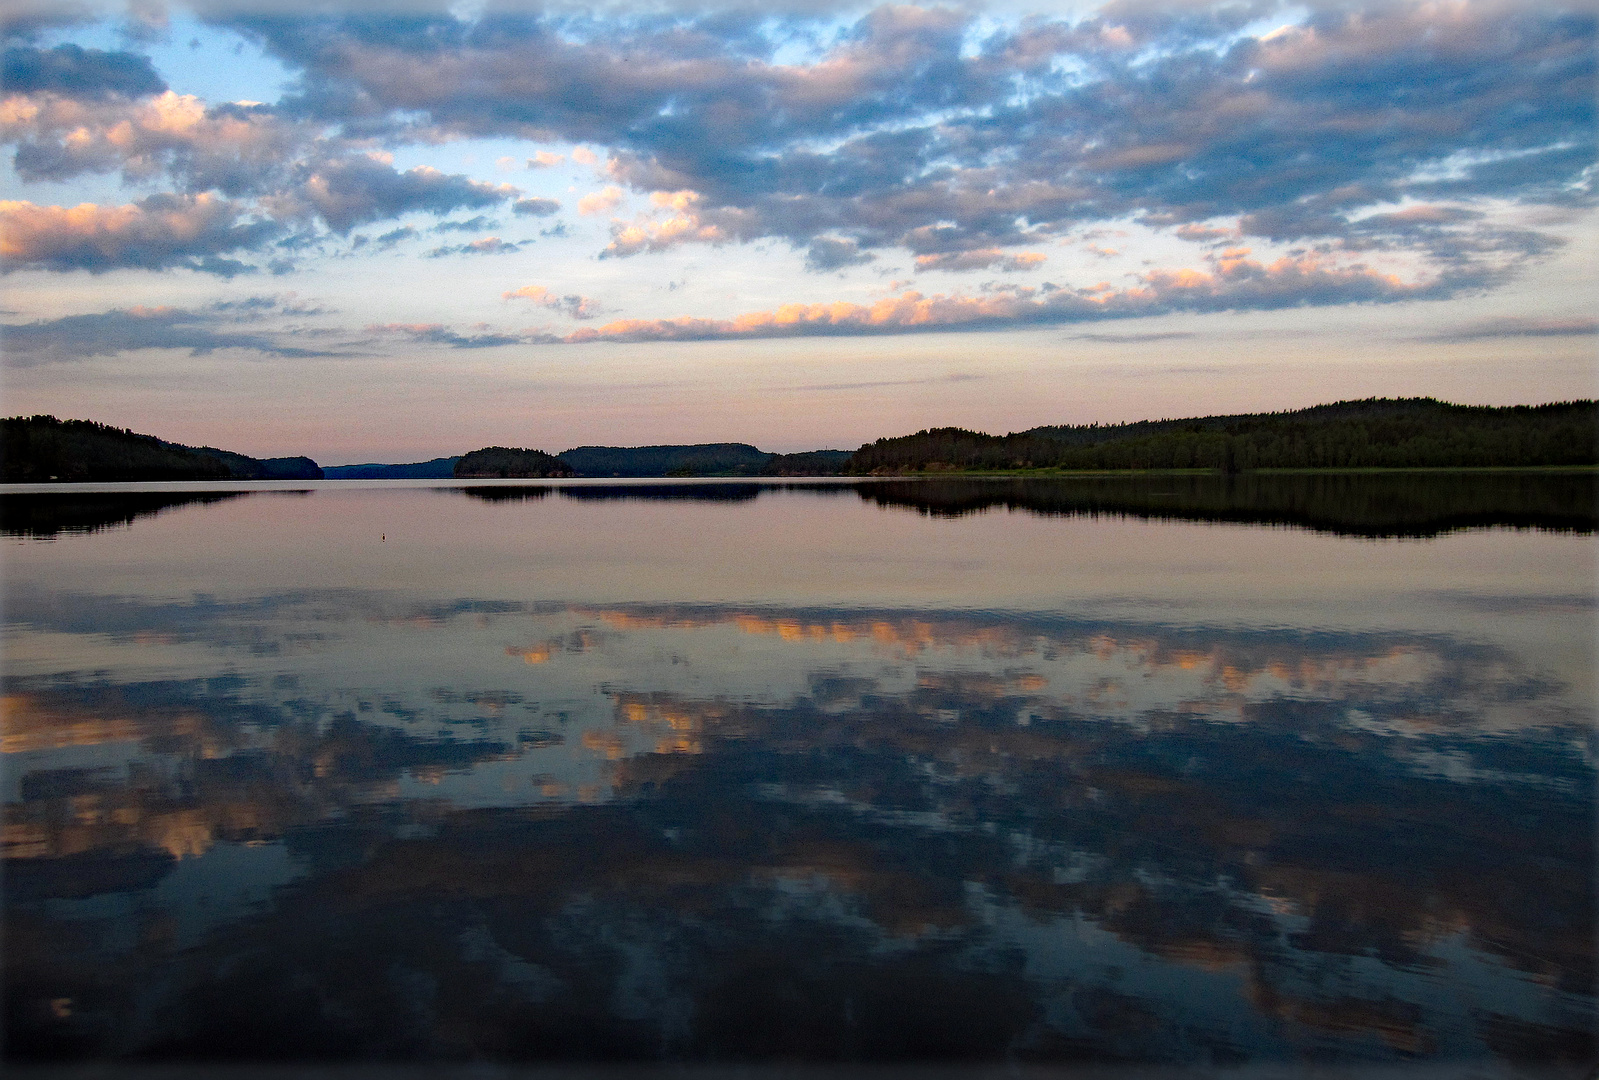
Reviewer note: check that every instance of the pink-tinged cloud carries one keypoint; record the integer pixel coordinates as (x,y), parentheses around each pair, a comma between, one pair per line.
(232,147)
(354,191)
(980,259)
(158,232)
(1235,282)
(600,201)
(572,304)
(685,221)
(1204,234)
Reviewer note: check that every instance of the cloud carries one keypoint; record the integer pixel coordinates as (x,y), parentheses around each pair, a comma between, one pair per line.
(156,233)
(394,236)
(1357,127)
(1205,234)
(535,207)
(600,201)
(685,223)
(831,253)
(77,337)
(73,71)
(981,259)
(1234,282)
(439,334)
(489,245)
(932,130)
(1132,339)
(572,304)
(474,224)
(235,149)
(354,191)
(1522,327)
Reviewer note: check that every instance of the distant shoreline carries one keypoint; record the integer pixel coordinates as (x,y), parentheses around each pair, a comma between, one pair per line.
(226,484)
(1371,435)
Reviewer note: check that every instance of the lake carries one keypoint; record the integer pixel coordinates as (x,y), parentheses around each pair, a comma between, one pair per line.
(1188,771)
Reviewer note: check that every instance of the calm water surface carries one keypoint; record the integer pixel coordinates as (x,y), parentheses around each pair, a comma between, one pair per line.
(1176,772)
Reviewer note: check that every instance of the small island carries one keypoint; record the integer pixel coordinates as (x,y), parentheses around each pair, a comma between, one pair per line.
(507,463)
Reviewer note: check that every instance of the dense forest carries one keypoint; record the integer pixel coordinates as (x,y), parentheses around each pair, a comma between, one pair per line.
(808,463)
(704,459)
(42,449)
(506,463)
(1374,433)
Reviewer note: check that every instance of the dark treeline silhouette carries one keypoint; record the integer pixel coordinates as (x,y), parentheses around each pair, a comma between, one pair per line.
(48,515)
(42,449)
(704,459)
(502,462)
(808,463)
(1375,433)
(1350,504)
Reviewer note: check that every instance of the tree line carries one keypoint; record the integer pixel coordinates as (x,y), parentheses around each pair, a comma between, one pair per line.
(42,449)
(1375,433)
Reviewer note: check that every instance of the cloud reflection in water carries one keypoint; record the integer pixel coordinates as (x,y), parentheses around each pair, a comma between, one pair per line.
(355,823)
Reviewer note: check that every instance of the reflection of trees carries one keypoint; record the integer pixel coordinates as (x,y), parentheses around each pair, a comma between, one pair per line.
(717,493)
(1410,504)
(508,493)
(50,514)
(1352,504)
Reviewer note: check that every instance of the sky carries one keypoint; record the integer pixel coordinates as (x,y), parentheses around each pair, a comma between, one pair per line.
(397,231)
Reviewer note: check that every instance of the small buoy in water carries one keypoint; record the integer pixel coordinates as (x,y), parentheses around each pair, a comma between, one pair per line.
(383,538)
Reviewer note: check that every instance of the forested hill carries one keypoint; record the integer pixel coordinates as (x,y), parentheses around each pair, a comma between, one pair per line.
(1374,433)
(705,459)
(41,449)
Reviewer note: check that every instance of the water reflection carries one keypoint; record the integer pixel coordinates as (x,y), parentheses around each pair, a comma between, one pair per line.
(368,823)
(46,515)
(1400,504)
(1413,504)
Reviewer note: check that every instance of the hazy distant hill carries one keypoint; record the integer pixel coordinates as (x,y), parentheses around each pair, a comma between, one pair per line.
(1375,433)
(41,449)
(437,469)
(505,463)
(705,459)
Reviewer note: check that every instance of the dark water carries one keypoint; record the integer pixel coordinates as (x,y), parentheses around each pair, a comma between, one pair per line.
(1186,772)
